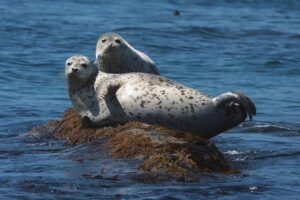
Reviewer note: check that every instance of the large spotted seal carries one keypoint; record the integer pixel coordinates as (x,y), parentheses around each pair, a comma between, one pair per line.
(157,100)
(115,55)
(81,73)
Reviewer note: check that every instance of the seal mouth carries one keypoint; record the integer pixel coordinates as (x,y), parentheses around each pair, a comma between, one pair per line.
(112,47)
(110,52)
(71,74)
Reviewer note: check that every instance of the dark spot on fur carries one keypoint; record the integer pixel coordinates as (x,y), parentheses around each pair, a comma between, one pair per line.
(192,108)
(190,97)
(168,109)
(179,87)
(143,104)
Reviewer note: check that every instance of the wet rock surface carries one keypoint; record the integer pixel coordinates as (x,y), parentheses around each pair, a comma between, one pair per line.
(163,153)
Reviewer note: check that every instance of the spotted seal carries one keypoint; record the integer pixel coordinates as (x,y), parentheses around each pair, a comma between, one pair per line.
(115,55)
(157,100)
(81,73)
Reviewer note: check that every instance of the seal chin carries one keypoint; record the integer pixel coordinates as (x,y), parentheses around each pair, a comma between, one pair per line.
(110,52)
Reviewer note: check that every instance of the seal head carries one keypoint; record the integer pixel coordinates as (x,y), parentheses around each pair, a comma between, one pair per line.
(110,45)
(78,71)
(81,73)
(115,55)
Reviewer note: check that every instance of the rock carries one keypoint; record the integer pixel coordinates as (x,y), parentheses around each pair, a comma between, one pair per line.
(176,12)
(164,153)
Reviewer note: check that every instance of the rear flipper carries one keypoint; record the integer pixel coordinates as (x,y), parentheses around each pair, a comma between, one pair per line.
(237,105)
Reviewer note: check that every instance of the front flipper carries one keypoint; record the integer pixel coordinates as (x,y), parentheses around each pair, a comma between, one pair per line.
(109,106)
(107,89)
(233,99)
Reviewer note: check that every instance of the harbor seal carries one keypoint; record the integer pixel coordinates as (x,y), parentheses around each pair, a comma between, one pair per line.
(81,73)
(157,100)
(115,55)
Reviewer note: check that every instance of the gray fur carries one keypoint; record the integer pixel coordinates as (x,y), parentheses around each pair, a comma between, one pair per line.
(115,55)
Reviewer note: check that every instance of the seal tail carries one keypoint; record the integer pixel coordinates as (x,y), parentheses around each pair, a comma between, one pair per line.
(237,105)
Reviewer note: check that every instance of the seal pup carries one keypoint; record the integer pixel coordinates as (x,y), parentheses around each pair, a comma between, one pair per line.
(157,100)
(115,55)
(81,73)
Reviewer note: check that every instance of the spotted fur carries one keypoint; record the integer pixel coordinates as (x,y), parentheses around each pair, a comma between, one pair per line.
(157,100)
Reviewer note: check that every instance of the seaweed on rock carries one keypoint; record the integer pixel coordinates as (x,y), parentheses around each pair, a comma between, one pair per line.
(162,151)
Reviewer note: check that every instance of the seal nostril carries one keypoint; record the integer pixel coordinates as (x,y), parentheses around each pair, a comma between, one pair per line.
(74,69)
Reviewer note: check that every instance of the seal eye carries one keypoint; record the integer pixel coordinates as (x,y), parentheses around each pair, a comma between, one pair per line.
(104,40)
(84,65)
(118,41)
(69,63)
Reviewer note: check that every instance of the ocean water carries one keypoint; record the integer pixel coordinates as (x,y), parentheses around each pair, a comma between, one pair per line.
(215,46)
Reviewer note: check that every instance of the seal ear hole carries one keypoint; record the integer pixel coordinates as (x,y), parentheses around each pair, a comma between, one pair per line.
(84,65)
(103,41)
(118,41)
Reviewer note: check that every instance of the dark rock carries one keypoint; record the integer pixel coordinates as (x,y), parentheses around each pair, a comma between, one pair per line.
(176,12)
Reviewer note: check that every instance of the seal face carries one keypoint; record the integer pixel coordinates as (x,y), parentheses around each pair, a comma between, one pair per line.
(115,55)
(80,73)
(157,100)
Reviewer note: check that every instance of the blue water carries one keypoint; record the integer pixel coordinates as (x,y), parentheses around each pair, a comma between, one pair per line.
(215,46)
